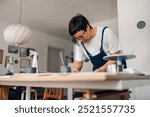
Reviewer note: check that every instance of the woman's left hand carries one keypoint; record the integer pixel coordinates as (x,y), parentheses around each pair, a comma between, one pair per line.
(101,69)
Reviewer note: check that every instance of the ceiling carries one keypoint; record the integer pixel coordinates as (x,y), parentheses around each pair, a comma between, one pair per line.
(52,16)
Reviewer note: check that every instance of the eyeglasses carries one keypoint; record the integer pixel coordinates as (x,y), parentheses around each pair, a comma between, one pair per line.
(80,36)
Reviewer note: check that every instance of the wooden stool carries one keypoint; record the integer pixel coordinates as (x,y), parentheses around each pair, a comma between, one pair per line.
(4,90)
(53,93)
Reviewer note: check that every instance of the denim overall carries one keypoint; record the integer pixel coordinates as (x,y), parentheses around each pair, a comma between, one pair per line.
(98,60)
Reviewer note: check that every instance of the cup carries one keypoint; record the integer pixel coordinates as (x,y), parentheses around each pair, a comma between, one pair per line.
(31,70)
(65,69)
(112,68)
(120,68)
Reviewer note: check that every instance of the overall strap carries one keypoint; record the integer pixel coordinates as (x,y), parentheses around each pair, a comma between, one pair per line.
(89,55)
(102,37)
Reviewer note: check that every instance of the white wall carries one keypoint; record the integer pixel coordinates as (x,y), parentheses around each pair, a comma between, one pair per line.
(40,42)
(138,40)
(112,23)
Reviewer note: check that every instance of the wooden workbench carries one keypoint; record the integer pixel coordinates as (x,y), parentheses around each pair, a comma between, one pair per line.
(86,80)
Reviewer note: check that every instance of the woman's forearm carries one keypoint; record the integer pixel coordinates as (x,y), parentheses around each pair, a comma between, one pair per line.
(77,66)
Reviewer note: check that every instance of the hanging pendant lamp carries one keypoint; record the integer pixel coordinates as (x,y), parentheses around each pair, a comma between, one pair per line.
(17,34)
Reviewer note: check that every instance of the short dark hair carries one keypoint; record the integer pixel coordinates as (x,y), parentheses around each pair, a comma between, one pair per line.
(77,23)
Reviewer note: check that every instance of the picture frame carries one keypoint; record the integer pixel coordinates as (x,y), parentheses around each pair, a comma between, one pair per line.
(1,56)
(24,63)
(23,52)
(12,49)
(7,60)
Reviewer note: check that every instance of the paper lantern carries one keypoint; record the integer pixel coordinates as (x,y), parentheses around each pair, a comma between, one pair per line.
(17,34)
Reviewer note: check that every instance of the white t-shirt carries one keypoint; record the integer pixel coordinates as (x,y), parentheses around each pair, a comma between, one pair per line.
(111,44)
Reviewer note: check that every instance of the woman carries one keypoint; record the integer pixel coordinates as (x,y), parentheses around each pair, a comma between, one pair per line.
(93,43)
